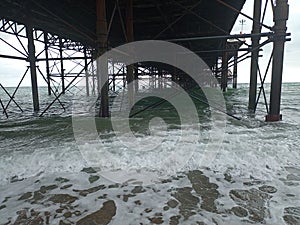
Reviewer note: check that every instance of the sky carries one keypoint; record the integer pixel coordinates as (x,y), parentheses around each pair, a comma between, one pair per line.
(12,70)
(291,69)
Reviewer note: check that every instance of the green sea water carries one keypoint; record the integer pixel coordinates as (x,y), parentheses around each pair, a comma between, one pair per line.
(253,178)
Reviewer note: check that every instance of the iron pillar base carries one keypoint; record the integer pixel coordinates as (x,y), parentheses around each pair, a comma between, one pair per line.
(273,118)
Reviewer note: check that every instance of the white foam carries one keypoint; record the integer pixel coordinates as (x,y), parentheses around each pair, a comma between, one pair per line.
(53,159)
(260,152)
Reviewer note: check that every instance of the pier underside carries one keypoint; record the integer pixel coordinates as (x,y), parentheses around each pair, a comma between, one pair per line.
(152,20)
(80,31)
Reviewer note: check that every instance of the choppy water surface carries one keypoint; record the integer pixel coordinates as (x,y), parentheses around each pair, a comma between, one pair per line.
(254,178)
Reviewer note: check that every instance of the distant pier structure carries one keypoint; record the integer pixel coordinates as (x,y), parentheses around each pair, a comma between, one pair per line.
(61,39)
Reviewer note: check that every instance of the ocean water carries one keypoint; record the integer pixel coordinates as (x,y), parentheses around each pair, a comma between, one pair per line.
(252,177)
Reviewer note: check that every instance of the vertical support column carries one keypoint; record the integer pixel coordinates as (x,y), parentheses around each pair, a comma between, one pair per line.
(224,78)
(101,48)
(46,41)
(235,66)
(136,78)
(256,29)
(32,62)
(124,78)
(113,76)
(281,15)
(93,79)
(62,70)
(87,84)
(130,38)
(217,67)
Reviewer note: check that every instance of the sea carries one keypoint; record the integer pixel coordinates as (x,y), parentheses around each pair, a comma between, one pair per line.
(52,171)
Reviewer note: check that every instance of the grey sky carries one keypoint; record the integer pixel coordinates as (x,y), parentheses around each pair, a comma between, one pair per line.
(291,64)
(12,70)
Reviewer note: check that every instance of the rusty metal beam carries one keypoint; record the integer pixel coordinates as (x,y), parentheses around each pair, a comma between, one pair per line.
(235,68)
(281,14)
(62,70)
(254,57)
(32,62)
(130,38)
(87,84)
(47,62)
(101,30)
(224,78)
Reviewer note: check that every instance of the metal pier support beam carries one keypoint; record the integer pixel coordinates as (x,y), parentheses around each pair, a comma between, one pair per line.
(217,67)
(136,77)
(281,14)
(124,78)
(87,84)
(130,38)
(62,70)
(3,108)
(32,62)
(93,79)
(256,29)
(113,76)
(224,77)
(47,62)
(101,48)
(235,66)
